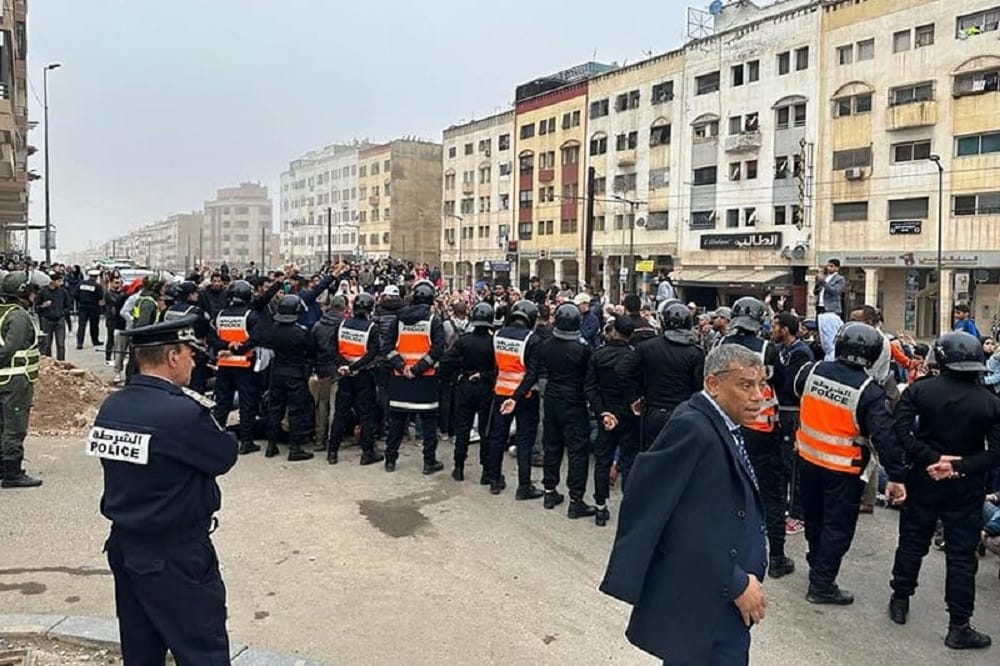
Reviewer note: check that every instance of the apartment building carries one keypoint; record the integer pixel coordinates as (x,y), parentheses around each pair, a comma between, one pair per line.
(399,200)
(551,120)
(14,148)
(319,205)
(170,244)
(913,111)
(632,115)
(477,199)
(237,227)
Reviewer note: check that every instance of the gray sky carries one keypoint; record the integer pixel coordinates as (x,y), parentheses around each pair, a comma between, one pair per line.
(159,103)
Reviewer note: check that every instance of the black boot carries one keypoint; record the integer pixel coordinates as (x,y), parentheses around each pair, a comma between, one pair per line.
(332,457)
(484,479)
(831,597)
(497,485)
(272,450)
(552,499)
(528,492)
(433,467)
(248,447)
(899,608)
(602,516)
(580,509)
(296,454)
(964,637)
(371,457)
(780,565)
(390,465)
(459,472)
(15,477)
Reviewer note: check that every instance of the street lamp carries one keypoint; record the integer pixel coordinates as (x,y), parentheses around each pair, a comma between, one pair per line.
(940,236)
(461,221)
(48,179)
(633,205)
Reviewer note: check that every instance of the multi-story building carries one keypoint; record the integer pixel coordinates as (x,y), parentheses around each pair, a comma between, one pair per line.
(399,200)
(478,212)
(633,113)
(319,205)
(14,147)
(170,244)
(909,155)
(238,228)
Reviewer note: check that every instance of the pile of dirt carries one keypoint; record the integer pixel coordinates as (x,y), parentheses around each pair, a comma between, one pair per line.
(66,400)
(47,652)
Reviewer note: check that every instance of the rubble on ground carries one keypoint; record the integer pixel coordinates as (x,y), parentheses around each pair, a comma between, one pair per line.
(47,652)
(66,400)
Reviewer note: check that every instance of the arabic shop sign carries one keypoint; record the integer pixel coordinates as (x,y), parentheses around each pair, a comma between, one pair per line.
(768,241)
(918,259)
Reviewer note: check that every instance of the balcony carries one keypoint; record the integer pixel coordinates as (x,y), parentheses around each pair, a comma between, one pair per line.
(468,188)
(626,158)
(746,142)
(546,175)
(373,200)
(917,114)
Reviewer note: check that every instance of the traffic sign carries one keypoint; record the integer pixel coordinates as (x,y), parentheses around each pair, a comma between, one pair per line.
(644,266)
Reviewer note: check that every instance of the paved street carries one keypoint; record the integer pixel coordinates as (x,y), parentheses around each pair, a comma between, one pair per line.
(354,566)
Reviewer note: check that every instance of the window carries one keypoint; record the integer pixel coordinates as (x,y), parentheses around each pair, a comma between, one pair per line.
(547,160)
(566,119)
(485,175)
(785,116)
(802,58)
(736,75)
(908,209)
(633,102)
(362,171)
(570,155)
(911,151)
(706,83)
(978,144)
(780,215)
(621,102)
(484,147)
(733,218)
(385,214)
(484,205)
(527,131)
(857,157)
(901,41)
(527,164)
(854,211)
(971,25)
(526,199)
(987,203)
(568,226)
(736,124)
(504,202)
(624,183)
(753,71)
(552,125)
(375,212)
(703,219)
(599,145)
(659,135)
(659,178)
(543,127)
(705,175)
(599,108)
(751,170)
(866,50)
(627,141)
(863,103)
(750,217)
(857,104)
(920,92)
(784,63)
(504,168)
(468,206)
(524,230)
(503,142)
(781,167)
(923,35)
(599,223)
(663,92)
(845,54)
(706,130)
(600,185)
(575,122)
(467,177)
(735,170)
(449,207)
(977,83)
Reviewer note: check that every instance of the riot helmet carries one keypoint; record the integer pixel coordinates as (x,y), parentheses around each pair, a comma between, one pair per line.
(525,311)
(289,308)
(858,344)
(960,352)
(566,322)
(748,314)
(424,293)
(364,303)
(481,316)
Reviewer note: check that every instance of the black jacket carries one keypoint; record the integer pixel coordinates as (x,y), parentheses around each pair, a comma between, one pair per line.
(385,317)
(213,302)
(565,364)
(89,294)
(294,351)
(472,354)
(670,372)
(324,334)
(611,379)
(792,358)
(53,304)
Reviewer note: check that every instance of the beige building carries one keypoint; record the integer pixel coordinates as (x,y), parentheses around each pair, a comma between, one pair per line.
(170,244)
(911,86)
(399,200)
(14,148)
(477,207)
(238,228)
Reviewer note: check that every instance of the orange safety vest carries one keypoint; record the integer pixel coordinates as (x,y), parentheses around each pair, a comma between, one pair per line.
(829,435)
(767,417)
(509,348)
(414,343)
(233,328)
(352,340)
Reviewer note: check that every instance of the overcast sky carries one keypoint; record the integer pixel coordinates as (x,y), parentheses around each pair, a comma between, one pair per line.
(159,103)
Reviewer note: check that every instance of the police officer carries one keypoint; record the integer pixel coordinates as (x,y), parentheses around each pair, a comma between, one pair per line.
(90,298)
(417,345)
(235,373)
(565,358)
(672,366)
(763,437)
(611,387)
(19,363)
(516,349)
(840,407)
(161,451)
(642,329)
(354,355)
(186,303)
(949,427)
(472,362)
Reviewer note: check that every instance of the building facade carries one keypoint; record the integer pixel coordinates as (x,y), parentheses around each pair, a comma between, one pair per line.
(238,228)
(14,148)
(170,244)
(477,199)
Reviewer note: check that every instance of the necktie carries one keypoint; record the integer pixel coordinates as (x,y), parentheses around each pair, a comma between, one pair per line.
(741,450)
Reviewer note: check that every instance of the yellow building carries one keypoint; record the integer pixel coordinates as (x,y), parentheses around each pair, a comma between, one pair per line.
(914,107)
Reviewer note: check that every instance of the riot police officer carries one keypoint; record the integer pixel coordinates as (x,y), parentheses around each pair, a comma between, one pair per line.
(515,396)
(763,438)
(949,427)
(235,372)
(90,298)
(19,364)
(841,407)
(186,299)
(565,358)
(472,362)
(354,354)
(161,451)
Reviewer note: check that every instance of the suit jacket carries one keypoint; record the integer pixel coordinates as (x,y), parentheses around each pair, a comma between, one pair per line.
(681,543)
(832,292)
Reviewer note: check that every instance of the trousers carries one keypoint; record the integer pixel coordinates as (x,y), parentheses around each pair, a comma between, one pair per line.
(291,393)
(397,425)
(472,403)
(15,406)
(526,413)
(958,504)
(322,389)
(229,382)
(830,507)
(52,331)
(109,338)
(622,439)
(89,317)
(653,420)
(764,449)
(789,426)
(169,597)
(567,428)
(355,393)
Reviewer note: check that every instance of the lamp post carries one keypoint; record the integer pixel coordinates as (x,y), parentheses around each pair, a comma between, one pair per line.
(458,240)
(940,238)
(48,174)
(633,206)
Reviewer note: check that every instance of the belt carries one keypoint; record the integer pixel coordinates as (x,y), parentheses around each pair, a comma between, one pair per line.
(168,538)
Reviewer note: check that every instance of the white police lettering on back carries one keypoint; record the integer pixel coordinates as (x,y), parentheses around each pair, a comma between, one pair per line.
(130,447)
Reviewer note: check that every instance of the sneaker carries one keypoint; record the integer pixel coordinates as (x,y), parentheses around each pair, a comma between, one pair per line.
(780,566)
(580,509)
(602,516)
(832,597)
(794,526)
(964,637)
(552,499)
(371,457)
(528,492)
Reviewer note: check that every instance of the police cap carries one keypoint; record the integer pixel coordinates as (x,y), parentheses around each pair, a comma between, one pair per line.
(176,331)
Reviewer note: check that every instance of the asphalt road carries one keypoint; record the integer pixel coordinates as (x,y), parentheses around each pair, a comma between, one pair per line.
(355,566)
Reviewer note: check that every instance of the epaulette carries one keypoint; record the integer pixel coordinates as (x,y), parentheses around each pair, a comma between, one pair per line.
(201,399)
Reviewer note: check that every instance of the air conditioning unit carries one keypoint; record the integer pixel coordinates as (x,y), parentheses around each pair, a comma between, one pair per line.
(854,173)
(640,223)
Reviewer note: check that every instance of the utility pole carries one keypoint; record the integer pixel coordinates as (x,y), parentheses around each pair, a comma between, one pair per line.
(633,206)
(48,173)
(329,235)
(588,231)
(263,250)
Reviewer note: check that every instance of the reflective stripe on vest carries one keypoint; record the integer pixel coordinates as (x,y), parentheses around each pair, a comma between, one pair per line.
(414,343)
(233,328)
(829,435)
(137,307)
(352,340)
(172,314)
(23,361)
(509,352)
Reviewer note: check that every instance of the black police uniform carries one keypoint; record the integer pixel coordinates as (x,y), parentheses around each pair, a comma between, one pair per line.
(161,451)
(792,357)
(355,391)
(294,354)
(611,387)
(945,415)
(472,362)
(204,332)
(241,382)
(672,371)
(89,298)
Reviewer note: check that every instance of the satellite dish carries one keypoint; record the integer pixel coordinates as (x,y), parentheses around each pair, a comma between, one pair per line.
(715,8)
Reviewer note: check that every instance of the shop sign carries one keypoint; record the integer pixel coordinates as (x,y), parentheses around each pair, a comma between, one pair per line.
(899,227)
(767,241)
(921,259)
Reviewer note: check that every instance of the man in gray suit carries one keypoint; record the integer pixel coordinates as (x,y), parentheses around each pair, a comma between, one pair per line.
(829,290)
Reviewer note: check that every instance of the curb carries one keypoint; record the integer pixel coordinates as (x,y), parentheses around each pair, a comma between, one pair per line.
(102,633)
